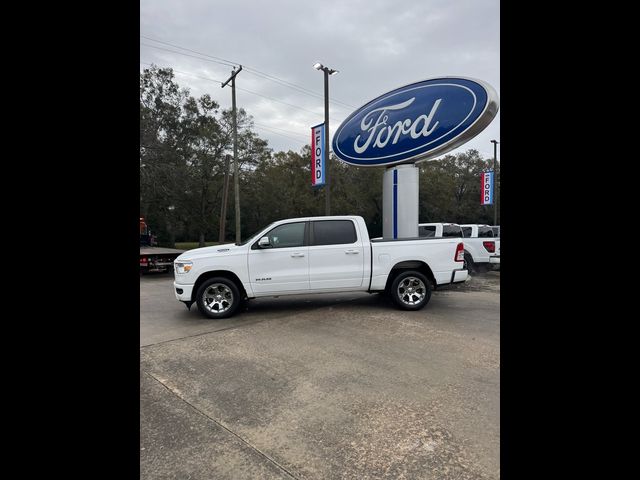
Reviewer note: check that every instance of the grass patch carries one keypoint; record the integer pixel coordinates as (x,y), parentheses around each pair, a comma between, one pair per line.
(192,245)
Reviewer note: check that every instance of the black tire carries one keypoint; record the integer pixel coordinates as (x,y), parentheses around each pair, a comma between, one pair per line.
(226,297)
(410,290)
(468,263)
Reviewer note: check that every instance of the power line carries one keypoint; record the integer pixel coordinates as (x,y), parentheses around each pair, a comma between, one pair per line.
(187,73)
(252,70)
(257,125)
(189,50)
(187,55)
(243,90)
(295,87)
(282,135)
(278,128)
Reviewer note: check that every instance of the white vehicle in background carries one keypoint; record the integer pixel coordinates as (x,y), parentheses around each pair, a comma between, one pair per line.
(439,230)
(479,247)
(495,258)
(316,255)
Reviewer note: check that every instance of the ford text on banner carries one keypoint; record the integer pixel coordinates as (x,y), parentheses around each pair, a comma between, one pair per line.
(486,188)
(317,156)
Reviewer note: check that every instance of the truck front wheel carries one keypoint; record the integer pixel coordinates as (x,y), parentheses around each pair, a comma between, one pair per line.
(410,290)
(218,297)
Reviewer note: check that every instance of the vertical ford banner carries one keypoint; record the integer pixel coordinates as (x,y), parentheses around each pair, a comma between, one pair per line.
(486,188)
(317,156)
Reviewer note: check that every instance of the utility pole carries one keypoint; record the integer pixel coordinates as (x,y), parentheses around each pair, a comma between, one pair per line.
(236,184)
(327,187)
(225,195)
(495,181)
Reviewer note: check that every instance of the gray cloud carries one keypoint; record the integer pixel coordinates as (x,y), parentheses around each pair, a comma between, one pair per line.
(377,45)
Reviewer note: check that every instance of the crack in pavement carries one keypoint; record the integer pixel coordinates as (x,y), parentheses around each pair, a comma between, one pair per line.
(203,333)
(220,424)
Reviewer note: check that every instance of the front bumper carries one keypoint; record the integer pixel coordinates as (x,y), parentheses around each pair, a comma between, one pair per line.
(185,291)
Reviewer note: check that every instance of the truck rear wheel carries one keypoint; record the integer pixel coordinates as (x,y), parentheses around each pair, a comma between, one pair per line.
(410,290)
(468,263)
(218,297)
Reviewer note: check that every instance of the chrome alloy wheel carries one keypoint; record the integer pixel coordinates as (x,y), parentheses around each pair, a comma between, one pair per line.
(411,291)
(218,298)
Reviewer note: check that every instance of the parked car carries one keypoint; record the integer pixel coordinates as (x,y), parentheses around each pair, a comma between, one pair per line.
(479,247)
(316,255)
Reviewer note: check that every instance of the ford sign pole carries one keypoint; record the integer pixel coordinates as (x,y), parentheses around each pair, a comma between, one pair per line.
(495,182)
(327,71)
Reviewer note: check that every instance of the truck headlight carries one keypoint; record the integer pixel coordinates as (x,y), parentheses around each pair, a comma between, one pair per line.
(183,267)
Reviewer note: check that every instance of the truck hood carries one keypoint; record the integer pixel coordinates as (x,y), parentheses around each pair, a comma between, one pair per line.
(221,250)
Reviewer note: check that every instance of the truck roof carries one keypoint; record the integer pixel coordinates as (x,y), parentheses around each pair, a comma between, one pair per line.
(436,223)
(324,217)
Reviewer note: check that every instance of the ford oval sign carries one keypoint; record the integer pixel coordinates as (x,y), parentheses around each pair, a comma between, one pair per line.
(416,122)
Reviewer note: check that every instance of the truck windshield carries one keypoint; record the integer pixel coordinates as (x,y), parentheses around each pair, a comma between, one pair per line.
(452,231)
(485,232)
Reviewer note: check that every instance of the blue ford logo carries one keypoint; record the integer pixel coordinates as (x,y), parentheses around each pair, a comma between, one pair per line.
(416,122)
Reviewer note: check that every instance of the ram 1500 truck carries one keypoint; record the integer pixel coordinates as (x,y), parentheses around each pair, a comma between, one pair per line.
(479,247)
(316,255)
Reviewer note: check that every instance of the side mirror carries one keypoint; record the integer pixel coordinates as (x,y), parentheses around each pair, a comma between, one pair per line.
(264,242)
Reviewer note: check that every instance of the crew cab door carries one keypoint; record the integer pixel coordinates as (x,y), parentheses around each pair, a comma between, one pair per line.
(336,255)
(284,265)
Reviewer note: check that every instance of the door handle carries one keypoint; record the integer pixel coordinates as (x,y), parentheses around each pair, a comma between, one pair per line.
(351,252)
(297,254)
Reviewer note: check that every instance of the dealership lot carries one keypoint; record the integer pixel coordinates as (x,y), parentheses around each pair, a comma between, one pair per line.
(324,386)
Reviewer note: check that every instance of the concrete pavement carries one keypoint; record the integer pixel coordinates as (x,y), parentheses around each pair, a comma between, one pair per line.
(326,386)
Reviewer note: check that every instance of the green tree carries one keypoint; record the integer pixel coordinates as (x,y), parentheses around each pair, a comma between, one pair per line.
(163,173)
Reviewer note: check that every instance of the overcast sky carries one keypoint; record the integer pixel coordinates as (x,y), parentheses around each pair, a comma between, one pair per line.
(377,45)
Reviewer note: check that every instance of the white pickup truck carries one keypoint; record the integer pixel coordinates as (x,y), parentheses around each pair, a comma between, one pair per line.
(495,258)
(439,230)
(479,247)
(316,255)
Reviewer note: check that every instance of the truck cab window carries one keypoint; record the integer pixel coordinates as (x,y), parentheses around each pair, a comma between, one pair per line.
(452,231)
(287,235)
(333,232)
(429,231)
(466,232)
(485,232)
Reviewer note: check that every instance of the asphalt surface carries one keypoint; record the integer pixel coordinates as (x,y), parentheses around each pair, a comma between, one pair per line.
(322,386)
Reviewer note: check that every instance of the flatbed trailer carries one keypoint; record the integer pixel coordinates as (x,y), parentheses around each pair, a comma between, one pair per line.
(157,258)
(153,258)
